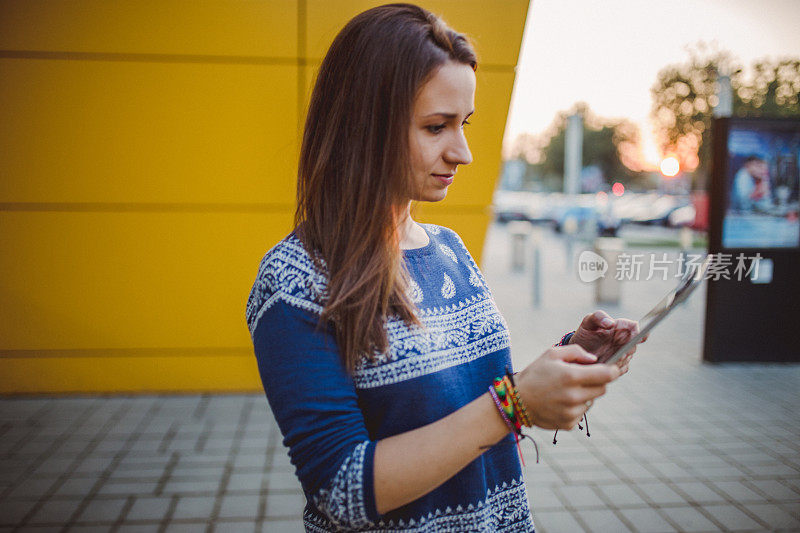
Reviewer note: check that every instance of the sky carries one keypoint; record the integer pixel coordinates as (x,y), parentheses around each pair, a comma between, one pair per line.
(607,52)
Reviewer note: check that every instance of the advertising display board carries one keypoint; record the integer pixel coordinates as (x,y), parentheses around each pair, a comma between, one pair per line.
(754,225)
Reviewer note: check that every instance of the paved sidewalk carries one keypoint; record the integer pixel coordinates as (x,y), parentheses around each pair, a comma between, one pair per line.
(676,445)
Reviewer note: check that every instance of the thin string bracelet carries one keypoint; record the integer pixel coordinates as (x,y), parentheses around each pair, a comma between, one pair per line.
(508,423)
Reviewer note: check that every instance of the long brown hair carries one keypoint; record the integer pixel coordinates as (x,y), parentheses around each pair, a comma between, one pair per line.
(354,172)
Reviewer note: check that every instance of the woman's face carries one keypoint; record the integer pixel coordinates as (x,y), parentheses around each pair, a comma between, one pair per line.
(437,139)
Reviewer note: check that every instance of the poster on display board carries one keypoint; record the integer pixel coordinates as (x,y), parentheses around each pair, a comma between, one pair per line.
(763,184)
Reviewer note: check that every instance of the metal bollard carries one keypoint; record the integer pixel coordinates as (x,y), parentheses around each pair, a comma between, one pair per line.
(519,236)
(537,269)
(607,287)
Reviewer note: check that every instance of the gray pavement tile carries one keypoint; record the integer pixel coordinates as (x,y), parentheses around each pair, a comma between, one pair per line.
(621,495)
(556,522)
(774,490)
(77,486)
(601,475)
(236,526)
(55,511)
(14,511)
(285,505)
(776,468)
(148,508)
(635,471)
(198,472)
(698,492)
(195,507)
(543,497)
(284,481)
(139,528)
(143,472)
(93,464)
(669,469)
(282,526)
(774,516)
(200,486)
(718,472)
(54,466)
(579,496)
(78,528)
(194,526)
(32,487)
(240,506)
(102,510)
(732,518)
(250,461)
(242,481)
(603,520)
(647,521)
(128,488)
(690,519)
(659,493)
(739,492)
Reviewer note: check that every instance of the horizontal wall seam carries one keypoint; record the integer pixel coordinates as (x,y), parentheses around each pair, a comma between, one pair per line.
(191,58)
(121,207)
(233,351)
(145,207)
(151,58)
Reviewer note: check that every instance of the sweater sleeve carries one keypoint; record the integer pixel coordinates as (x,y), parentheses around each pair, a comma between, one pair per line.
(314,402)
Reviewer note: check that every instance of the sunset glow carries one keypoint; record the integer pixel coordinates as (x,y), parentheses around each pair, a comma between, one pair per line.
(670,166)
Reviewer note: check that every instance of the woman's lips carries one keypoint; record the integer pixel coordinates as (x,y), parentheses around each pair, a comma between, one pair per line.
(446,179)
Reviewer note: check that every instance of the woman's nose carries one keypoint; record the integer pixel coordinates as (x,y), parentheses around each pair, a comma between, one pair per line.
(458,153)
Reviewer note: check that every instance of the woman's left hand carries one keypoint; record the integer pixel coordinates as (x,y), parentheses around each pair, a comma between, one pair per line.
(602,336)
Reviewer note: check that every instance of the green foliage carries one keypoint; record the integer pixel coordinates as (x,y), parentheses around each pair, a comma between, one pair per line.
(685,95)
(602,139)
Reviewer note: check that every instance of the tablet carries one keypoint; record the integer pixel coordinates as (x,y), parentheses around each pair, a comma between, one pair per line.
(693,276)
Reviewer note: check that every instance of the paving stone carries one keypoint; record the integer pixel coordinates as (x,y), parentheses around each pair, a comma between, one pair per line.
(282,481)
(139,528)
(647,521)
(660,494)
(282,526)
(774,516)
(239,506)
(195,526)
(775,490)
(145,508)
(601,521)
(579,496)
(543,498)
(699,492)
(227,526)
(55,512)
(102,510)
(732,518)
(76,486)
(555,522)
(285,505)
(739,492)
(14,510)
(621,495)
(194,507)
(690,519)
(241,481)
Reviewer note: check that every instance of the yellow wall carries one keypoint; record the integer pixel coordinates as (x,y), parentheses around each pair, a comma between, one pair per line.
(147,161)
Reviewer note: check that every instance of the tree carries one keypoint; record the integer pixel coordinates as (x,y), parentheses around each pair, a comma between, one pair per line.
(685,95)
(606,144)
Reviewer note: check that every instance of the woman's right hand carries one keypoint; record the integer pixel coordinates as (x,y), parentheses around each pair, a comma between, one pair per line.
(559,386)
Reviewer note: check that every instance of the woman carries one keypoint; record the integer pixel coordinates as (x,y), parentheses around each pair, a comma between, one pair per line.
(377,338)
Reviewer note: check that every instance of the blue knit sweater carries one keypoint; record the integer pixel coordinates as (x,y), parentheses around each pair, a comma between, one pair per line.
(331,421)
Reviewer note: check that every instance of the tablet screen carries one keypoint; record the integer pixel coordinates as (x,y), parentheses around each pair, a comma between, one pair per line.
(693,276)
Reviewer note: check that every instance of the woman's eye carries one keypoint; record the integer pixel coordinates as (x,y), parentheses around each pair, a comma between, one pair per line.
(465,123)
(436,128)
